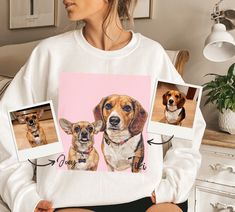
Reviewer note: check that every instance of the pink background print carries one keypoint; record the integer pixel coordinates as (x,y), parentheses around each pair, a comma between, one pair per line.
(80,93)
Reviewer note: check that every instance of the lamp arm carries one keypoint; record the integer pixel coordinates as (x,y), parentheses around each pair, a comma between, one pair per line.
(217,14)
(218,3)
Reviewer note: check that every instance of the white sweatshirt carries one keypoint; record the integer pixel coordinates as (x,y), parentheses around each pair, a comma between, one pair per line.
(37,81)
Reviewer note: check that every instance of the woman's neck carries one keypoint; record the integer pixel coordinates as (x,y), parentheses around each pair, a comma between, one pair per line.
(114,37)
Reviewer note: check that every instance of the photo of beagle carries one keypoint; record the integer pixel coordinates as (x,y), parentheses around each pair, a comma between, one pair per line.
(123,119)
(82,150)
(35,133)
(174,112)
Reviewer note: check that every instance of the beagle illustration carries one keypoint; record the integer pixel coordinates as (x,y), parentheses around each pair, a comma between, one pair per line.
(35,133)
(174,110)
(123,120)
(82,151)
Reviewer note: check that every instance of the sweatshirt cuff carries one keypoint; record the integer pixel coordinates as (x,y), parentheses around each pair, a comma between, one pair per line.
(164,192)
(27,200)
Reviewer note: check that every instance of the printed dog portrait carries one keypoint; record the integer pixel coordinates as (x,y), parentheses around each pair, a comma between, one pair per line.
(120,143)
(35,133)
(123,119)
(82,153)
(174,101)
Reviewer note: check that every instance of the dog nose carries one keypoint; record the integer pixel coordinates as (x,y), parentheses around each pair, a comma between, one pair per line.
(84,134)
(31,121)
(171,101)
(114,120)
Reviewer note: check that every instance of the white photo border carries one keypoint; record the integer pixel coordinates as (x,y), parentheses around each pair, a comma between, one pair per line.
(40,151)
(168,129)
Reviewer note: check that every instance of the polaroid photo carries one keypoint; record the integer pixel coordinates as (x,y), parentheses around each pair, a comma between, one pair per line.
(103,121)
(173,109)
(35,131)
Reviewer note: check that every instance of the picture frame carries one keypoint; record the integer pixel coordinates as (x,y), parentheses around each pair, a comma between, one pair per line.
(42,142)
(31,13)
(176,118)
(143,9)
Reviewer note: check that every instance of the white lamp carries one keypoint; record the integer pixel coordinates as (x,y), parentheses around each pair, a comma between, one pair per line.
(220,44)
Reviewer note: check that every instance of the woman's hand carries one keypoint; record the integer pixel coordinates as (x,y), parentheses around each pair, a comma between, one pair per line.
(44,206)
(153,197)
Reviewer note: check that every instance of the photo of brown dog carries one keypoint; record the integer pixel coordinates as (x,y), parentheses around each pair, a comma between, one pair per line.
(35,133)
(173,109)
(174,101)
(82,153)
(175,104)
(33,126)
(123,119)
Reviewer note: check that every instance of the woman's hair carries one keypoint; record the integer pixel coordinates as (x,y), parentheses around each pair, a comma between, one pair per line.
(123,8)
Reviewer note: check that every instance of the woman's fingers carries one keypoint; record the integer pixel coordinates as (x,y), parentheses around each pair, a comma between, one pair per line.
(45,206)
(153,197)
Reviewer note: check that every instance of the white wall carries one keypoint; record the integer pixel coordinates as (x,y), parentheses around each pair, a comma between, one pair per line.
(184,24)
(177,24)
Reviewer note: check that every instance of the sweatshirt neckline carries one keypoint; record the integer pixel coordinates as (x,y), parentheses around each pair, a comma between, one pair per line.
(126,50)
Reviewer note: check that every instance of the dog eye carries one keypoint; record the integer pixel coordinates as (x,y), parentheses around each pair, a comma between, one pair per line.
(90,129)
(127,108)
(34,117)
(108,106)
(177,96)
(27,118)
(77,129)
(168,94)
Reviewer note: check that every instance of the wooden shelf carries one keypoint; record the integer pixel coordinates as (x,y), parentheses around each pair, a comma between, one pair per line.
(217,138)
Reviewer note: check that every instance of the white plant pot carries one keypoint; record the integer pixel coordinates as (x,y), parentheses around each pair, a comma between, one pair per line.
(227,121)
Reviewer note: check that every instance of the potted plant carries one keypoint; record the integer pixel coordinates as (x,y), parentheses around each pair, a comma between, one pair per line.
(221,91)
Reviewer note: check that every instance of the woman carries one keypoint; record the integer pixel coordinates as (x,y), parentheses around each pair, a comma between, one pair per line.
(102,46)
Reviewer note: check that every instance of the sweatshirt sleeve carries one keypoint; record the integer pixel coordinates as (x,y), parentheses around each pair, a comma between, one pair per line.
(17,188)
(182,161)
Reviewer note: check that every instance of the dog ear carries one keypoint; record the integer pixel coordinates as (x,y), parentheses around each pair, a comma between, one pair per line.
(66,125)
(98,113)
(21,119)
(140,117)
(182,100)
(164,99)
(97,126)
(40,112)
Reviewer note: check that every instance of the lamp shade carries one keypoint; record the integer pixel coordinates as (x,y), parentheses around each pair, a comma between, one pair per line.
(219,45)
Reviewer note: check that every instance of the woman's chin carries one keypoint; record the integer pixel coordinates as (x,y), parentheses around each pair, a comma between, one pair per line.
(73,17)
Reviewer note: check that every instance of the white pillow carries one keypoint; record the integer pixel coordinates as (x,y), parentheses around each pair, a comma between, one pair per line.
(13,57)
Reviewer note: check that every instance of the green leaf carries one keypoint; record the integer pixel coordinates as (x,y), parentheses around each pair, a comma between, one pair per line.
(233,107)
(233,98)
(230,71)
(227,103)
(207,102)
(211,74)
(221,90)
